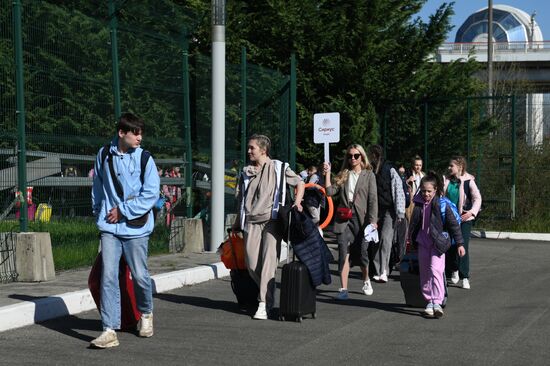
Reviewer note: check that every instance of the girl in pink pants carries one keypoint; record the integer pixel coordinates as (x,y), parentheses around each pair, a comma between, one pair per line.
(426,227)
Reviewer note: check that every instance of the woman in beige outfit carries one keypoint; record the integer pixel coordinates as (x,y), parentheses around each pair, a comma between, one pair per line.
(258,196)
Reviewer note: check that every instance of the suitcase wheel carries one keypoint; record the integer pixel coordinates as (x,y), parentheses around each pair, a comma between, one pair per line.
(313,315)
(281,318)
(299,319)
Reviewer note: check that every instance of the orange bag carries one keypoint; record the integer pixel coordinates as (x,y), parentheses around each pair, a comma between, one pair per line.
(232,252)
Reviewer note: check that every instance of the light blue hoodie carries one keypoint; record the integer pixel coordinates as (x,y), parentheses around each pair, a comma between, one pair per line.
(138,199)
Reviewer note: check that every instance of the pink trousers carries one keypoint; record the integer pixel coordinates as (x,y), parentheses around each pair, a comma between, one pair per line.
(432,268)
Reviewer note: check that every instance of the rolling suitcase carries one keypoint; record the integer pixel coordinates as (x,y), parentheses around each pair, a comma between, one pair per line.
(409,276)
(298,296)
(410,281)
(245,289)
(129,313)
(232,253)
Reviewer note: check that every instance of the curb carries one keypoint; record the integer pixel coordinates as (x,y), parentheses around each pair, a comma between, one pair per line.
(509,235)
(70,303)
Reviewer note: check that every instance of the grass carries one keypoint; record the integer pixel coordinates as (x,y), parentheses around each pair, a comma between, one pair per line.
(75,241)
(539,223)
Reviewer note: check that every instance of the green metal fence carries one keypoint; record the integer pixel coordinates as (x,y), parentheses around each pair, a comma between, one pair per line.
(80,69)
(493,134)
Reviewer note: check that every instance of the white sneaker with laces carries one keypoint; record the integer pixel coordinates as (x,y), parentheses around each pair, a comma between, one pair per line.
(455,278)
(145,325)
(367,288)
(107,339)
(384,277)
(261,313)
(429,309)
(466,283)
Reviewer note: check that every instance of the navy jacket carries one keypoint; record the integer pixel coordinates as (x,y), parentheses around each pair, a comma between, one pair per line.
(309,247)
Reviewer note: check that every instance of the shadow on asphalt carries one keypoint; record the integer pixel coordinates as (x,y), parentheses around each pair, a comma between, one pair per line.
(328,297)
(202,302)
(68,324)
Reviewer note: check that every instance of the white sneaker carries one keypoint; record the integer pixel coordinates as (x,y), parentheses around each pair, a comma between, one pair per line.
(107,339)
(367,288)
(384,277)
(465,283)
(455,278)
(376,278)
(261,313)
(429,309)
(145,325)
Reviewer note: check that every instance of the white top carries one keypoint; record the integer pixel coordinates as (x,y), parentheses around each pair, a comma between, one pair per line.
(352,182)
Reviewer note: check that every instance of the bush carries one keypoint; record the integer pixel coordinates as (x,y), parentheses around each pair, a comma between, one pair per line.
(75,242)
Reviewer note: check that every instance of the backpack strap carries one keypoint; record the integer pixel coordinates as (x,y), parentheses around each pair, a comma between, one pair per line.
(116,182)
(443,207)
(145,155)
(280,190)
(104,153)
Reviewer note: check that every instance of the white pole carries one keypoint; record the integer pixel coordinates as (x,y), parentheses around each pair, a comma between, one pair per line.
(217,209)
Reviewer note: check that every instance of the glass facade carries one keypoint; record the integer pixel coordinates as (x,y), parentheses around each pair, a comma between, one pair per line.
(506,27)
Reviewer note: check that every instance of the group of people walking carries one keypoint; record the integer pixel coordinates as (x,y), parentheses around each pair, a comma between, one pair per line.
(370,196)
(370,193)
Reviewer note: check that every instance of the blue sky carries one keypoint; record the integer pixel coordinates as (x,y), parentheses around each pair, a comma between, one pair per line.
(464,8)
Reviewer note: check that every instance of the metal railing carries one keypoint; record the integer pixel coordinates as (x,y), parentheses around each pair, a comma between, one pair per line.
(498,47)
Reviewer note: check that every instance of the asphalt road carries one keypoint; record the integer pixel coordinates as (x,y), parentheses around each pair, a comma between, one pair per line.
(503,320)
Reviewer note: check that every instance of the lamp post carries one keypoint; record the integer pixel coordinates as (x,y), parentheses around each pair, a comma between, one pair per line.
(490,51)
(217,209)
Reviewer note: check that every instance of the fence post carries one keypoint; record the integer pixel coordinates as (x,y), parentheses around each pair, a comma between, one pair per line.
(20,112)
(113,24)
(187,126)
(243,107)
(293,111)
(385,129)
(426,135)
(514,158)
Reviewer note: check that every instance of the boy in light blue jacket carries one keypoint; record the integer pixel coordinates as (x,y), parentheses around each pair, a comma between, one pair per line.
(122,199)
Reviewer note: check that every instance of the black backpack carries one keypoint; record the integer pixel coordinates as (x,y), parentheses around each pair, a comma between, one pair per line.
(145,155)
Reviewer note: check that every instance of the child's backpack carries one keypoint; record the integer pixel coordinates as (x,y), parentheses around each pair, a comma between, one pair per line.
(443,202)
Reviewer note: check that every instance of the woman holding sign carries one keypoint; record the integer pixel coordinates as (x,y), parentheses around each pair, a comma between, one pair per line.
(355,185)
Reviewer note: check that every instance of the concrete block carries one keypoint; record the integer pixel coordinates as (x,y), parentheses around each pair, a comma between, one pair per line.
(186,236)
(33,257)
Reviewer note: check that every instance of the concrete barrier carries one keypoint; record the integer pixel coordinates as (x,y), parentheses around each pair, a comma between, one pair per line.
(33,257)
(186,236)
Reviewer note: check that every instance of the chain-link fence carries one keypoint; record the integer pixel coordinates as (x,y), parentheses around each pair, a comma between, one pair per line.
(81,69)
(505,140)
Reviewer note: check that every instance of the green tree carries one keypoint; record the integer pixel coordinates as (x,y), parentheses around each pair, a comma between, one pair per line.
(354,56)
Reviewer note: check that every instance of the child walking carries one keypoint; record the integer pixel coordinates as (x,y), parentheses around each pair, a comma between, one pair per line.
(427,227)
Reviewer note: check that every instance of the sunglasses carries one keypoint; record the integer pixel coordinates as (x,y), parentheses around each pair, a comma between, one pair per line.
(354,156)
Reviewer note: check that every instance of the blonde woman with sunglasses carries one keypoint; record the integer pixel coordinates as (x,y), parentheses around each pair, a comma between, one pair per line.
(355,185)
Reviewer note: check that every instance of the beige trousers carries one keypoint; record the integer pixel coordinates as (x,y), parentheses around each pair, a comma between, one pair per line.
(261,242)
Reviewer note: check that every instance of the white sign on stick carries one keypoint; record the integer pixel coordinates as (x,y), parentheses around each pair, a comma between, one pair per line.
(326,129)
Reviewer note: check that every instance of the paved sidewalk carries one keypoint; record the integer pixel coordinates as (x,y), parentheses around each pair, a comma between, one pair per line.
(27,303)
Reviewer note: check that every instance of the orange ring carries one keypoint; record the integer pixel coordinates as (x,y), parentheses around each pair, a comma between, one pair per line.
(329,201)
